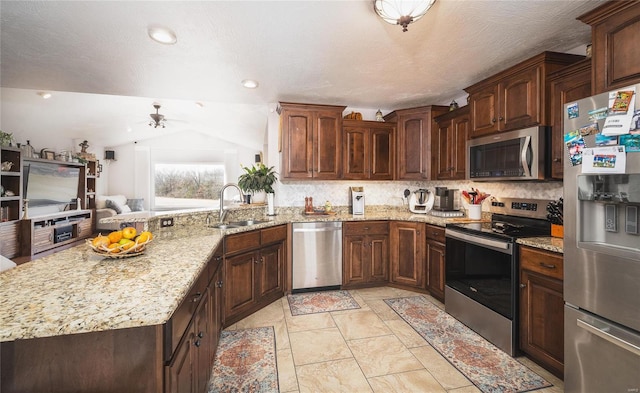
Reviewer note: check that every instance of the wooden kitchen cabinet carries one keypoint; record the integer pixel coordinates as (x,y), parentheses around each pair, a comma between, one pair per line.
(449,145)
(365,253)
(254,271)
(615,28)
(542,308)
(311,141)
(414,127)
(10,239)
(514,98)
(368,150)
(435,255)
(407,262)
(570,84)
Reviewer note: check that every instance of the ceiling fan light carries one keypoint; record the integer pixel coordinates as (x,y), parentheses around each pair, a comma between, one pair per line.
(162,35)
(402,12)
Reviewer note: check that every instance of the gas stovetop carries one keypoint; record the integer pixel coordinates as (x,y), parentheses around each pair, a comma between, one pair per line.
(511,219)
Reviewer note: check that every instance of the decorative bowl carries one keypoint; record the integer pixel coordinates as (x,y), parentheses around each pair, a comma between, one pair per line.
(119,252)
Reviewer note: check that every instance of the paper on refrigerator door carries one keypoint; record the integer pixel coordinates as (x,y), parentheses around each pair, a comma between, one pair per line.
(622,105)
(609,159)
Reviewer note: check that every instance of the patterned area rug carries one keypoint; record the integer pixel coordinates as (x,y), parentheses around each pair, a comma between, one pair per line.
(245,362)
(316,302)
(490,369)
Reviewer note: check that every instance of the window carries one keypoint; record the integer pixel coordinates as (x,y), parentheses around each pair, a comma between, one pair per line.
(186,186)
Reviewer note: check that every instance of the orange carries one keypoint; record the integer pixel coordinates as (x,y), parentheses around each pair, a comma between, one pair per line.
(115,236)
(129,232)
(144,237)
(126,244)
(100,241)
(114,247)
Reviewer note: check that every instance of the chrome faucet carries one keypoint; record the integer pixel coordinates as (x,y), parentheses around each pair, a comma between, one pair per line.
(223,212)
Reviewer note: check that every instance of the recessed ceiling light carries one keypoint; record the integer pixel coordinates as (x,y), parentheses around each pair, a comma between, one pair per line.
(250,83)
(44,94)
(162,35)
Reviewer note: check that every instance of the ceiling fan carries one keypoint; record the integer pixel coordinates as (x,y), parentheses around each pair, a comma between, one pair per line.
(157,120)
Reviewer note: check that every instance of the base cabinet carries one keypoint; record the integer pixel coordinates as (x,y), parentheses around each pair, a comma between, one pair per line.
(542,308)
(254,267)
(435,261)
(407,253)
(365,249)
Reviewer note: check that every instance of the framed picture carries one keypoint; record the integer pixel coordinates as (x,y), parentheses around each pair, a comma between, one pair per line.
(49,155)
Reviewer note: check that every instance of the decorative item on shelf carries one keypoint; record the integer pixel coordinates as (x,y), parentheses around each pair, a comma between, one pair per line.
(555,216)
(474,199)
(1,190)
(84,146)
(6,166)
(47,154)
(9,193)
(588,51)
(402,12)
(27,150)
(25,209)
(6,139)
(354,116)
(453,106)
(4,214)
(258,180)
(379,115)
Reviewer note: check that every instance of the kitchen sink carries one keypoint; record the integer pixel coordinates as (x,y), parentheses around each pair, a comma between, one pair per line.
(246,223)
(223,226)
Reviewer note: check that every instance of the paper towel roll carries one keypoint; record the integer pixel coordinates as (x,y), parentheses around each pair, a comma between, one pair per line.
(270,208)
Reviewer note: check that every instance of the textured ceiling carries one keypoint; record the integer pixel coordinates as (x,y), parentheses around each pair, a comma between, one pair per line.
(326,52)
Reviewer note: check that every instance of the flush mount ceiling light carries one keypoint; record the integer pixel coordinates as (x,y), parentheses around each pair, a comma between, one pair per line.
(250,83)
(157,120)
(162,35)
(402,12)
(44,94)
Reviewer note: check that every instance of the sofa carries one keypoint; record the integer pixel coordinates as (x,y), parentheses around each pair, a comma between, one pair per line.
(118,205)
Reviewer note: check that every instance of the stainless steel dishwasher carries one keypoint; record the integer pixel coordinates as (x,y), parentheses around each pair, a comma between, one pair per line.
(317,255)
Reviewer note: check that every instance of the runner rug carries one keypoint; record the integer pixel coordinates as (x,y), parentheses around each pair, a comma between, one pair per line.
(245,362)
(490,369)
(316,302)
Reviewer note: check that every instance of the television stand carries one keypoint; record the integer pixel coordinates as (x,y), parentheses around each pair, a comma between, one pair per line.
(54,231)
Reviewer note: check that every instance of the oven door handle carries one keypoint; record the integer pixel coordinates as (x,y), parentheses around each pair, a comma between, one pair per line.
(505,247)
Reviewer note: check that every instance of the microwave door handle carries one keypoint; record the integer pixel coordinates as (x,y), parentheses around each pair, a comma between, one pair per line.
(523,156)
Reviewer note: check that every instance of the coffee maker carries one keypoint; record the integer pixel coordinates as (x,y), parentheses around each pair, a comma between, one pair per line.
(356,200)
(444,199)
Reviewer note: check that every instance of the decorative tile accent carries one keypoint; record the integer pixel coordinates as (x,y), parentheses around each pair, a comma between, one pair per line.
(490,369)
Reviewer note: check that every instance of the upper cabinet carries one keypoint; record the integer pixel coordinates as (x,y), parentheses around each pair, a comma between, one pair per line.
(570,84)
(615,47)
(414,140)
(368,150)
(449,144)
(515,98)
(311,141)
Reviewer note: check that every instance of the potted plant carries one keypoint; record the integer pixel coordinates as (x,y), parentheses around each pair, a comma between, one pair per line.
(5,138)
(257,180)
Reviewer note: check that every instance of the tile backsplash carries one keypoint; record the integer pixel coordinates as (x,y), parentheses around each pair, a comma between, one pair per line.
(292,193)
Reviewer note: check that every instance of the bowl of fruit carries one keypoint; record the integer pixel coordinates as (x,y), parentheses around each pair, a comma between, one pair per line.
(121,244)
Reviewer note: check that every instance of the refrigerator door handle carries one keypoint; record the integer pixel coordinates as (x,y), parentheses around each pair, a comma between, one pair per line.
(609,337)
(523,156)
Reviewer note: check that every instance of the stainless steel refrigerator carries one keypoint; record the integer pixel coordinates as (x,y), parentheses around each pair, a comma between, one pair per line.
(601,255)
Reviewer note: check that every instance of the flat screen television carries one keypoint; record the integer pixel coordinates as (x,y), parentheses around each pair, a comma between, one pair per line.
(50,183)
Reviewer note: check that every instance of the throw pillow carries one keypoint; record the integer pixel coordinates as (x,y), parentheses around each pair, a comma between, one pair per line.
(118,207)
(136,205)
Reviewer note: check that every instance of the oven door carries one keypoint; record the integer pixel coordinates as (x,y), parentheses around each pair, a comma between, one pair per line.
(483,269)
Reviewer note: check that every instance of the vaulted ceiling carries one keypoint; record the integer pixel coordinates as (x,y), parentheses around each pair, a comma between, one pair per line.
(106,72)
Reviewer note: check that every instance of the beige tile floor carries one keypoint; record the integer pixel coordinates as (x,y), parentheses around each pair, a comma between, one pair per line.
(370,349)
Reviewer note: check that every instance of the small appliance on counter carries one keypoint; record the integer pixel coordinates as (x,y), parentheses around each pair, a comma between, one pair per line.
(356,200)
(421,201)
(445,204)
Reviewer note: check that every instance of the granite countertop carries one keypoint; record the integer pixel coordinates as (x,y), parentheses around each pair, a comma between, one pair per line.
(546,243)
(77,291)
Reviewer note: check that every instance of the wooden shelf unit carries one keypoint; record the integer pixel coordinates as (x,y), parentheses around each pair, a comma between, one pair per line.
(11,180)
(52,231)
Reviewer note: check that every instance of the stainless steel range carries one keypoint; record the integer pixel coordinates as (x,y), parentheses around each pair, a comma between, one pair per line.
(482,268)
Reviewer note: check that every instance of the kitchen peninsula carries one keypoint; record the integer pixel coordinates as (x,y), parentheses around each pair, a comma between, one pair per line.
(114,315)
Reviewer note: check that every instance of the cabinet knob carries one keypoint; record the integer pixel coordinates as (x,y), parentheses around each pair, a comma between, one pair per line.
(196,297)
(197,343)
(500,118)
(200,334)
(493,120)
(523,286)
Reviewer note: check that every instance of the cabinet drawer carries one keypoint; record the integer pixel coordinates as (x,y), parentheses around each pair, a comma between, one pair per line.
(365,228)
(241,242)
(177,325)
(435,233)
(274,234)
(543,262)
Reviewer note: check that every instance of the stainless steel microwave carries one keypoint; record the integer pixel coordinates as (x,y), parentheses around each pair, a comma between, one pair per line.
(513,155)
